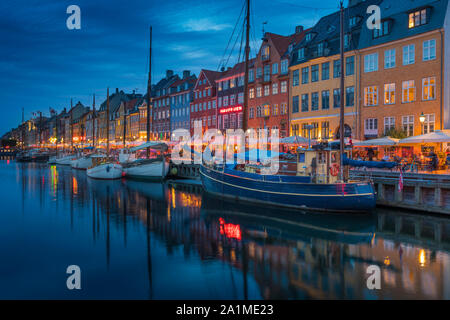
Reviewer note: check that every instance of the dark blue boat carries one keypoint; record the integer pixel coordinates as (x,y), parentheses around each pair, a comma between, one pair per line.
(292,191)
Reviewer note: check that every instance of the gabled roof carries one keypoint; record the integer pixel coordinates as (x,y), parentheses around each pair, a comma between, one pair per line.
(236,69)
(397,11)
(327,30)
(210,75)
(116,99)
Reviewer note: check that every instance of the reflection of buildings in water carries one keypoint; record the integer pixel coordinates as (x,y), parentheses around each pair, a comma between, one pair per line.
(287,261)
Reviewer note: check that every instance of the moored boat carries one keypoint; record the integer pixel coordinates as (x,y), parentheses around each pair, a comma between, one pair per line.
(314,185)
(65,160)
(104,169)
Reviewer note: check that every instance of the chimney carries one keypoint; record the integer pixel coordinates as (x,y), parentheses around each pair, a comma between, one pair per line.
(299,29)
(117,90)
(222,69)
(186,74)
(169,73)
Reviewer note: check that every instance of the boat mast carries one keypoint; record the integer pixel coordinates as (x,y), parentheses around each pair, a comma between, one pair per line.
(247,54)
(124,124)
(71,126)
(93,122)
(341,125)
(107,121)
(23,128)
(149,91)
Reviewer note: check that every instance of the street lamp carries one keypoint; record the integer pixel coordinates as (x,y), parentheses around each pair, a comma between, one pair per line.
(422,121)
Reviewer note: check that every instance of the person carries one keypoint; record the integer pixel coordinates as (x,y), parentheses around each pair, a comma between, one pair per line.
(370,154)
(434,160)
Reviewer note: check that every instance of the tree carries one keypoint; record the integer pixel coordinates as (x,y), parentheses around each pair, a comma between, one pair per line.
(396,133)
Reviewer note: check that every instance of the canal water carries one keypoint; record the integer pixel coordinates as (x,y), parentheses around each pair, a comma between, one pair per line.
(139,240)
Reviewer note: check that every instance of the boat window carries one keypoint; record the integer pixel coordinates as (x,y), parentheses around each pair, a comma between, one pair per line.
(301,157)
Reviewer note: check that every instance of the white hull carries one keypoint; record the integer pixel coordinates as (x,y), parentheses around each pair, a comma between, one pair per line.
(52,160)
(106,171)
(82,163)
(66,161)
(153,171)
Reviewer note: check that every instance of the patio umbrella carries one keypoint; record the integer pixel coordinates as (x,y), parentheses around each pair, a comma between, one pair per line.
(436,136)
(295,140)
(385,141)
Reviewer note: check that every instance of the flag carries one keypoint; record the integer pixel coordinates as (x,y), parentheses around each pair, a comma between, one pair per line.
(400,181)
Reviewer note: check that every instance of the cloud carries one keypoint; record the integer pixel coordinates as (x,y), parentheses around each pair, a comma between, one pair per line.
(204,25)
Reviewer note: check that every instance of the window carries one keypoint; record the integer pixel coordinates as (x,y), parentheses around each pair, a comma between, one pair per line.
(429,50)
(232,83)
(305,75)
(267,73)
(325,71)
(371,126)
(408,125)
(417,18)
(408,91)
(428,124)
(301,54)
(266,110)
(314,101)
(219,102)
(283,109)
(266,90)
(389,124)
(320,47)
(347,39)
(389,93)
(389,59)
(325,130)
(294,129)
(240,97)
(225,101)
(326,99)
(408,54)
(232,101)
(258,73)
(275,88)
(349,96)
(275,110)
(384,30)
(265,53)
(371,62)
(315,73)
(251,93)
(258,92)
(371,96)
(275,68)
(305,102)
(336,68)
(295,104)
(429,88)
(251,113)
(283,86)
(350,66)
(336,98)
(353,21)
(295,78)
(315,130)
(284,66)
(251,75)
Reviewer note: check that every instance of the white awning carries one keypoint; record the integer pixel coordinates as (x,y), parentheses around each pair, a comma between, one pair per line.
(385,141)
(436,136)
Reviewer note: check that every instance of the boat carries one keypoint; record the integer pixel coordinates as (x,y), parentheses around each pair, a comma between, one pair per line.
(313,184)
(104,168)
(148,168)
(65,160)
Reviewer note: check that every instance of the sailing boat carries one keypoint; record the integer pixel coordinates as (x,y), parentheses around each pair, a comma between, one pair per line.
(149,168)
(318,183)
(105,167)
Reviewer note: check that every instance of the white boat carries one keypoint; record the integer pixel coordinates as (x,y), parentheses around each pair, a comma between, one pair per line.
(65,160)
(84,162)
(147,169)
(126,156)
(104,169)
(52,160)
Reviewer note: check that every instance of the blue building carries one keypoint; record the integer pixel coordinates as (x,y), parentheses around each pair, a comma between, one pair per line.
(181,95)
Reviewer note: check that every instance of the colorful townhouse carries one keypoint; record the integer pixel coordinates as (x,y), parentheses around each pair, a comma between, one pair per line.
(404,76)
(204,104)
(181,95)
(315,75)
(269,82)
(160,118)
(230,97)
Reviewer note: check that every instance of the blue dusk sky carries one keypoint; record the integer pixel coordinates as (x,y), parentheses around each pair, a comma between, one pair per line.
(43,64)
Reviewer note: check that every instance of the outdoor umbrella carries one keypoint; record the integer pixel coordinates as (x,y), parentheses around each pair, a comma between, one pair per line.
(385,141)
(436,136)
(295,140)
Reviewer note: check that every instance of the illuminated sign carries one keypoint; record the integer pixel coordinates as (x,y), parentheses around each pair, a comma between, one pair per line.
(230,109)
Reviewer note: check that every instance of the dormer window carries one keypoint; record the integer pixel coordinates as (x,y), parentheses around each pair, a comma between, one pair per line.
(418,18)
(309,37)
(320,48)
(265,53)
(331,29)
(291,46)
(353,21)
(384,29)
(301,53)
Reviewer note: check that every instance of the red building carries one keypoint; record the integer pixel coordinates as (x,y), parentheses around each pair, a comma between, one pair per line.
(230,97)
(269,82)
(204,105)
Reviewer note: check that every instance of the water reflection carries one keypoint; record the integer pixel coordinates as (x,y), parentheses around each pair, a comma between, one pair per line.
(146,240)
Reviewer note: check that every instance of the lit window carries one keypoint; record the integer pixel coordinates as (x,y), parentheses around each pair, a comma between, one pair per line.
(371,96)
(417,18)
(429,88)
(389,93)
(408,91)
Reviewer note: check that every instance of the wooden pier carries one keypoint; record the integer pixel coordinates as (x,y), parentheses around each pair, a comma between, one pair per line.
(421,191)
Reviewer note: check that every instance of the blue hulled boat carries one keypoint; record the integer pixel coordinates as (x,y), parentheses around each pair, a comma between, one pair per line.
(313,185)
